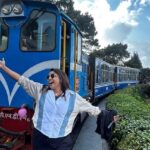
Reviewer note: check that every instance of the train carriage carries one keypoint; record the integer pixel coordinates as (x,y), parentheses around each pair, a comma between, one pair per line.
(126,76)
(101,77)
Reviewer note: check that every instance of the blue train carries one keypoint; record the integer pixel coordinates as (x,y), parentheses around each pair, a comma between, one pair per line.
(104,78)
(36,36)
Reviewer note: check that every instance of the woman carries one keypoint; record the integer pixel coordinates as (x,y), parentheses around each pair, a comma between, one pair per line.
(56,109)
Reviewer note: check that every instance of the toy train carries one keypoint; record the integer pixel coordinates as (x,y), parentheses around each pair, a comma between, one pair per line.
(36,36)
(104,78)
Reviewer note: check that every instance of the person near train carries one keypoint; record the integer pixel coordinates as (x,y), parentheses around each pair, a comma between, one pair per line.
(56,109)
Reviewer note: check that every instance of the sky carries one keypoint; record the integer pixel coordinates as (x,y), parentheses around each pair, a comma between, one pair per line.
(125,21)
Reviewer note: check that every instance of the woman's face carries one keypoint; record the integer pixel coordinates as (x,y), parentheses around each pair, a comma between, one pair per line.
(53,81)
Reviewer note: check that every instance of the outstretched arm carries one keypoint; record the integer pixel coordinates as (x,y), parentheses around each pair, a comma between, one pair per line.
(85,106)
(31,87)
(10,72)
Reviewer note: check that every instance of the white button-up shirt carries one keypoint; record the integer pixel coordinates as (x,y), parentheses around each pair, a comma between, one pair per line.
(55,118)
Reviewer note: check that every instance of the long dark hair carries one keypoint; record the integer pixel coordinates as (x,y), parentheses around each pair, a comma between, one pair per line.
(64,82)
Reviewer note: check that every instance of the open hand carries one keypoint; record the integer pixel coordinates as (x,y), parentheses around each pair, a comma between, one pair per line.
(116,118)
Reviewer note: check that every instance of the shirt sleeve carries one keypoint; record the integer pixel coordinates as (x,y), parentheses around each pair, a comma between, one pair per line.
(85,106)
(31,87)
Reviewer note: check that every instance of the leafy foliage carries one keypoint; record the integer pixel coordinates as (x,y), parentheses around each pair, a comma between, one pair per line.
(145,75)
(134,62)
(133,130)
(113,54)
(86,24)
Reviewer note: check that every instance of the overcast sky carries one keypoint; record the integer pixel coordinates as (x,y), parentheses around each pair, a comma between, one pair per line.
(125,21)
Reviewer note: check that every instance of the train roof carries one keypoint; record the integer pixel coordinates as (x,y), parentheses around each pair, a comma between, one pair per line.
(66,17)
(124,67)
(47,3)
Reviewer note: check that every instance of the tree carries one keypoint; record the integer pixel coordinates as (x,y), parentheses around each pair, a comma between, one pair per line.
(145,75)
(86,24)
(134,62)
(113,54)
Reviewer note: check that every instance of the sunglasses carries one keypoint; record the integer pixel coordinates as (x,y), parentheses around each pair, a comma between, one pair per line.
(51,75)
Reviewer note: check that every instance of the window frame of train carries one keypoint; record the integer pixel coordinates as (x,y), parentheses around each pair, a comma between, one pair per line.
(111,73)
(104,72)
(127,74)
(3,35)
(39,33)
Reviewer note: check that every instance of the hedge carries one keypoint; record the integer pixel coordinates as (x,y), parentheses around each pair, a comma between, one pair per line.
(132,132)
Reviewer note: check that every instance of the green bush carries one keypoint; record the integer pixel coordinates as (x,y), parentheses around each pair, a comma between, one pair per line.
(132,132)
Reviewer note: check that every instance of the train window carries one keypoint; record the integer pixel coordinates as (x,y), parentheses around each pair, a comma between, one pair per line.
(38,33)
(111,72)
(3,36)
(105,73)
(98,78)
(121,74)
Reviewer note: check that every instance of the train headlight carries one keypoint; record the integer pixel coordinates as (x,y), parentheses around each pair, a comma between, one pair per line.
(17,9)
(6,9)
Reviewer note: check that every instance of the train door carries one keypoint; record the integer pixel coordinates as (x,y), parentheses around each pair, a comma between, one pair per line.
(115,77)
(92,77)
(70,53)
(65,47)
